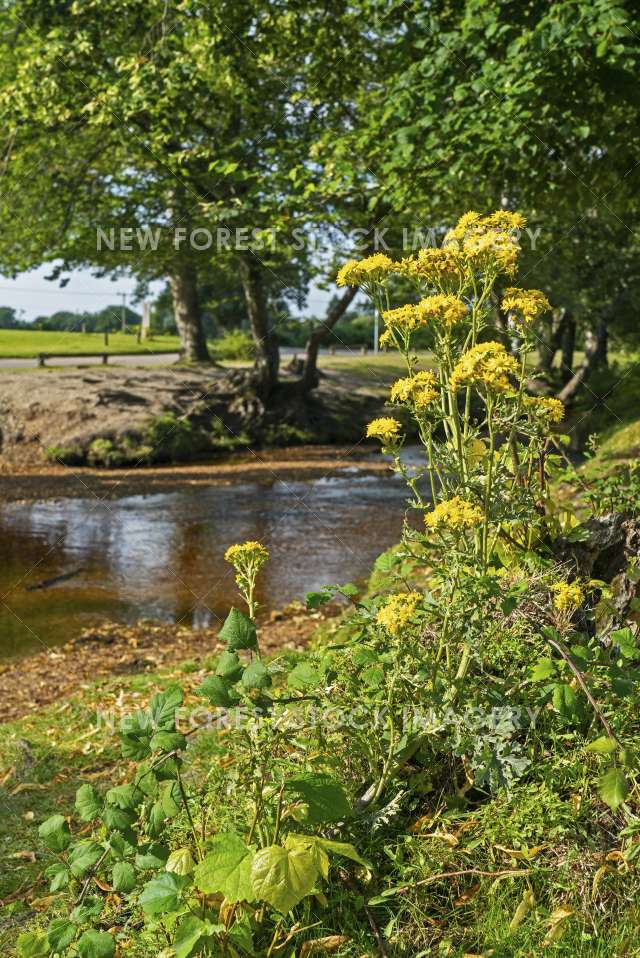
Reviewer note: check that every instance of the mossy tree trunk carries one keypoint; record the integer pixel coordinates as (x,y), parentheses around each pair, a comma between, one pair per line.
(267,360)
(187,313)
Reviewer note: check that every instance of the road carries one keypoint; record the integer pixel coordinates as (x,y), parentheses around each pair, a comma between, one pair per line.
(139,359)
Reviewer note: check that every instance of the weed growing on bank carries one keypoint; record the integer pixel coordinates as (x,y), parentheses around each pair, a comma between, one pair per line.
(454,771)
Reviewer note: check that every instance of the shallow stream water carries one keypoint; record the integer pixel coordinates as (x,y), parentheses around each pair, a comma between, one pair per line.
(160,556)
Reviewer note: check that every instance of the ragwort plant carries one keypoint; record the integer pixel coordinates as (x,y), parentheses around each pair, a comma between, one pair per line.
(473,665)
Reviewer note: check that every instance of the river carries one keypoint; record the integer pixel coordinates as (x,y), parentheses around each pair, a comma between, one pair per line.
(160,556)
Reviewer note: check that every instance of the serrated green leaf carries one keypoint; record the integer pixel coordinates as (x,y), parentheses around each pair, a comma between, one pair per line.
(32,944)
(229,667)
(256,676)
(613,788)
(58,876)
(168,742)
(226,868)
(60,934)
(304,676)
(55,833)
(216,690)
(162,893)
(96,944)
(603,745)
(543,669)
(88,803)
(83,857)
(152,856)
(124,796)
(163,708)
(180,861)
(283,876)
(123,877)
(315,599)
(565,700)
(238,631)
(326,798)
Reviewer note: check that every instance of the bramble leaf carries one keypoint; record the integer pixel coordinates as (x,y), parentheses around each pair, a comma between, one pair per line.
(55,833)
(88,803)
(238,631)
(162,893)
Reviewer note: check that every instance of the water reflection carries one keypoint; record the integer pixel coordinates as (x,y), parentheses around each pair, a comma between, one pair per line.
(160,556)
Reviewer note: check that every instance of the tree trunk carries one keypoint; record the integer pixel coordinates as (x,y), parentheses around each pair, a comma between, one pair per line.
(568,345)
(320,335)
(267,360)
(595,352)
(186,309)
(549,344)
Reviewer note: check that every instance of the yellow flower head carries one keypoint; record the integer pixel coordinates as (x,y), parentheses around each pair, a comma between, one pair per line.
(420,389)
(446,310)
(505,220)
(398,611)
(494,250)
(569,596)
(457,514)
(247,555)
(487,365)
(405,319)
(369,270)
(527,303)
(545,407)
(386,429)
(386,338)
(434,265)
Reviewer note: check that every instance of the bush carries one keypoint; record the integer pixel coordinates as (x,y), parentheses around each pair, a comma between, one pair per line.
(233,345)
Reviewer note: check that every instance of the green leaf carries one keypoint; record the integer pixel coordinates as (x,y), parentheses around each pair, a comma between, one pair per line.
(55,833)
(170,799)
(33,944)
(168,741)
(613,788)
(543,669)
(119,819)
(226,868)
(88,803)
(61,933)
(304,676)
(349,590)
(229,667)
(58,876)
(283,876)
(239,632)
(180,861)
(565,700)
(626,642)
(316,599)
(153,856)
(325,797)
(84,856)
(124,796)
(256,676)
(216,690)
(123,877)
(163,708)
(135,736)
(603,745)
(96,944)
(162,893)
(190,931)
(345,849)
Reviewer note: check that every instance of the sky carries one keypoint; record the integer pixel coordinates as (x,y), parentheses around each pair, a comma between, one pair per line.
(32,295)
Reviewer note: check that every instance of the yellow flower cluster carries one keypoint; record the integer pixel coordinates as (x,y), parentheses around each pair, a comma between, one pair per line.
(496,249)
(420,389)
(370,269)
(448,310)
(248,554)
(434,265)
(398,611)
(527,303)
(457,514)
(569,596)
(405,319)
(488,365)
(386,429)
(546,407)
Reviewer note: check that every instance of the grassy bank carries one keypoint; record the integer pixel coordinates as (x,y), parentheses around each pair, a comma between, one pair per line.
(26,344)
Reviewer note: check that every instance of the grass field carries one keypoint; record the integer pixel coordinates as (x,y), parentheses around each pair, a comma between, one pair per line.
(25,344)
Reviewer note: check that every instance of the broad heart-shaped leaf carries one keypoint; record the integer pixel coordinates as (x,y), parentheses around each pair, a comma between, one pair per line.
(325,797)
(238,631)
(565,700)
(55,833)
(84,856)
(96,944)
(180,861)
(543,669)
(613,788)
(162,893)
(626,642)
(163,708)
(283,876)
(229,667)
(88,803)
(603,745)
(256,676)
(33,944)
(124,796)
(191,931)
(123,877)
(227,868)
(60,934)
(216,690)
(304,676)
